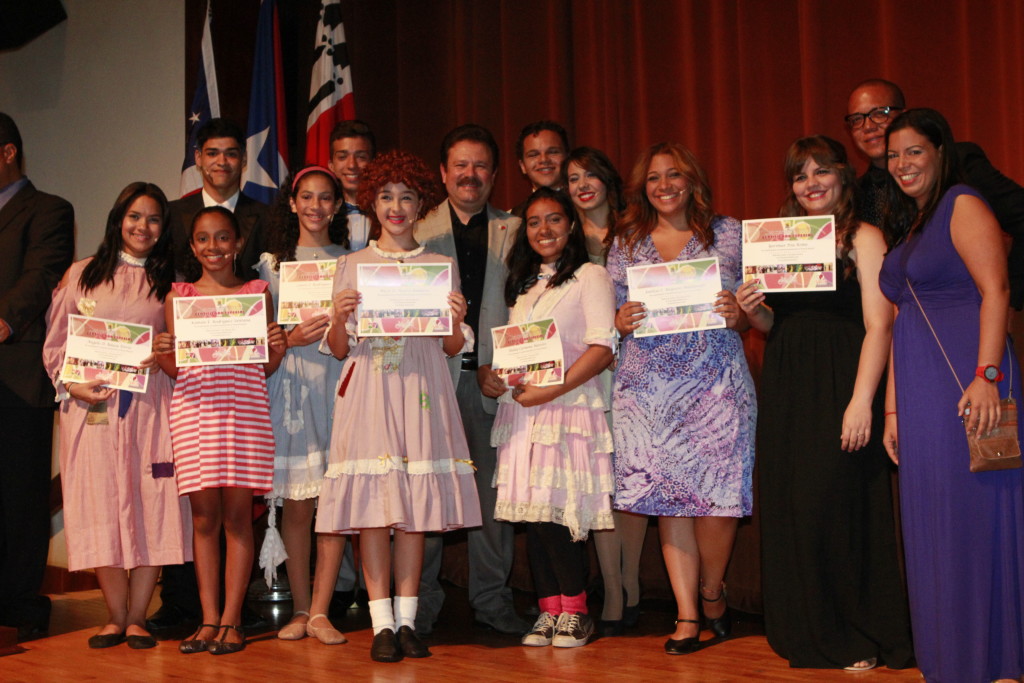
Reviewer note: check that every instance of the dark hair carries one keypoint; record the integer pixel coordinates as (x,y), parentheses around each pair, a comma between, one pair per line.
(220,128)
(640,218)
(524,263)
(191,268)
(894,90)
(397,166)
(283,230)
(473,133)
(9,134)
(827,153)
(595,161)
(159,264)
(534,129)
(901,216)
(353,128)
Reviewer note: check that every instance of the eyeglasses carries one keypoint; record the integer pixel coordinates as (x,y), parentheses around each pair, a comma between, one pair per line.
(878,115)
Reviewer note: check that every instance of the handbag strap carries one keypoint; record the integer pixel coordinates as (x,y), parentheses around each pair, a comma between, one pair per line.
(1009,355)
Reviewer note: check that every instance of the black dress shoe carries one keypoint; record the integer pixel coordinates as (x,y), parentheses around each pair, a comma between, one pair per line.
(168,618)
(683,646)
(99,642)
(410,644)
(385,647)
(141,642)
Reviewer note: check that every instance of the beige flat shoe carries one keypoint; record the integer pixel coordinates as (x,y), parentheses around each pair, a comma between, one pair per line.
(328,635)
(294,631)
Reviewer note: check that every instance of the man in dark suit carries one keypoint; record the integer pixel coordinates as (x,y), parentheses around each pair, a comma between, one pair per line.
(541,148)
(37,243)
(220,158)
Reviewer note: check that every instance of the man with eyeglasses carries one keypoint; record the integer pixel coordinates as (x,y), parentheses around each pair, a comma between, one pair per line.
(873,105)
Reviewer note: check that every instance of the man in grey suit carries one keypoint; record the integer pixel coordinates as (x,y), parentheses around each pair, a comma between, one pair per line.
(37,241)
(478,236)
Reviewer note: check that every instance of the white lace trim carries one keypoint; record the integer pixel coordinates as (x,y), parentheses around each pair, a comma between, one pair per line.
(303,491)
(132,260)
(542,512)
(580,483)
(386,463)
(396,255)
(553,435)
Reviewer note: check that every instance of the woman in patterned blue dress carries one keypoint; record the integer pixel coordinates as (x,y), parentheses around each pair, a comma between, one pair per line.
(683,405)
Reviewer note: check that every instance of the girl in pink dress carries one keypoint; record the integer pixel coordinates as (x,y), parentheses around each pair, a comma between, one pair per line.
(222,437)
(399,464)
(122,513)
(554,445)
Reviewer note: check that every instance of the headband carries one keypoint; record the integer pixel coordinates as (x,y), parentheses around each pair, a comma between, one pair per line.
(306,171)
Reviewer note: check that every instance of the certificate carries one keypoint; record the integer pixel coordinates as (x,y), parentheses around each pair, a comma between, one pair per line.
(109,350)
(790,254)
(306,289)
(679,296)
(404,299)
(528,353)
(220,330)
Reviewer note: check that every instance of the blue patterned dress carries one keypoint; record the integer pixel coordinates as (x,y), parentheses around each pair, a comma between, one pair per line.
(683,405)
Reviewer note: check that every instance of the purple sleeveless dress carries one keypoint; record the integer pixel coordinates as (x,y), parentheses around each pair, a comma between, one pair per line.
(963,532)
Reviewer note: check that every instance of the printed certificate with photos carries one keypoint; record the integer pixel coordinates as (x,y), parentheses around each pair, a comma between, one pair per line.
(109,350)
(404,299)
(679,296)
(791,254)
(220,330)
(306,289)
(529,353)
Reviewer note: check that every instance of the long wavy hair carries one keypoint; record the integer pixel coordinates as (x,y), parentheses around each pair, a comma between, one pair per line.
(284,223)
(159,264)
(827,153)
(901,217)
(640,218)
(397,167)
(597,162)
(524,263)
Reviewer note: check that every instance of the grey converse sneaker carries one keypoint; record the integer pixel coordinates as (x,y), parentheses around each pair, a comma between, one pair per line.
(573,630)
(542,631)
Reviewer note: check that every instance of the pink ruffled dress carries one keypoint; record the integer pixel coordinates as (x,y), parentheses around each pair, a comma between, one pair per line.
(398,455)
(554,460)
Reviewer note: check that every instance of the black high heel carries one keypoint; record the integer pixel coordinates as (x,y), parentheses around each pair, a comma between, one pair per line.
(684,646)
(630,613)
(720,626)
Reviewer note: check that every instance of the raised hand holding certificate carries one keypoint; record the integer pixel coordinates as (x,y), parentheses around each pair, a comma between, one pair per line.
(790,254)
(528,353)
(109,350)
(679,296)
(306,289)
(404,299)
(220,330)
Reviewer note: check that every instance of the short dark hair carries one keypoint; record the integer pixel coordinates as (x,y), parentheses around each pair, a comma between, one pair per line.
(472,132)
(535,128)
(354,128)
(894,90)
(9,135)
(220,128)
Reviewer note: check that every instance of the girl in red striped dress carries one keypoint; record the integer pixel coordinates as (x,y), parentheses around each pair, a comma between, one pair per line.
(222,438)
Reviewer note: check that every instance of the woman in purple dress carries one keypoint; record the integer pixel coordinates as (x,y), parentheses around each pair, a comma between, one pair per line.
(963,532)
(683,405)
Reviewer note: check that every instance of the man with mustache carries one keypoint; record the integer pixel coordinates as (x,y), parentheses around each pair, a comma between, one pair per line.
(478,236)
(541,148)
(873,105)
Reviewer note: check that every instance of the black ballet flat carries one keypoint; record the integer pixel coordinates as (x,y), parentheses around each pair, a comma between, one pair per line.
(101,642)
(720,626)
(684,646)
(191,646)
(385,647)
(221,646)
(141,642)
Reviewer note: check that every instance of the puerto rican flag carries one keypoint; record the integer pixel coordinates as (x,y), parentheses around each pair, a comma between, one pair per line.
(330,91)
(205,105)
(266,144)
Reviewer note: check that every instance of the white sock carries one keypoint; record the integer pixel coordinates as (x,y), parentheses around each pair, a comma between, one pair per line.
(381,615)
(405,610)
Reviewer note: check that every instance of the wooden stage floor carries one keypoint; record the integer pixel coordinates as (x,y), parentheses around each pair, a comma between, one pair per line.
(461,653)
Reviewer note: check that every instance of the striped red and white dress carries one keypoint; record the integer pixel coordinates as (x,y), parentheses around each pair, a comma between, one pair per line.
(220,422)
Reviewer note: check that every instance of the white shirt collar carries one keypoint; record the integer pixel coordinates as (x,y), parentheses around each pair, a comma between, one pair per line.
(229,204)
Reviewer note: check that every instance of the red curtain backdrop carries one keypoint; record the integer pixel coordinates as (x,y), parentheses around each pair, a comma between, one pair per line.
(735,80)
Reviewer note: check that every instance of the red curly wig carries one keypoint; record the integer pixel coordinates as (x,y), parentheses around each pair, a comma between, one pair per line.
(397,167)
